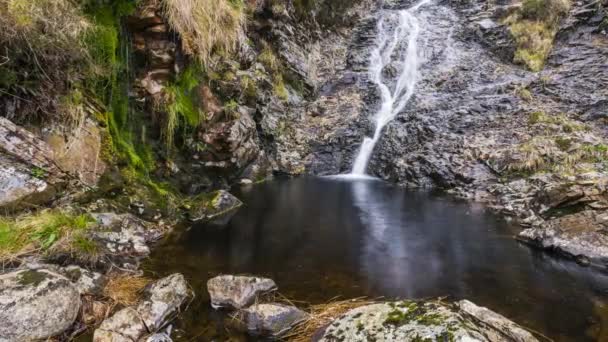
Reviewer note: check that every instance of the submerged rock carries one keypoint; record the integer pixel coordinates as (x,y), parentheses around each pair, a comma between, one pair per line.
(211,207)
(412,321)
(237,292)
(271,319)
(36,304)
(161,300)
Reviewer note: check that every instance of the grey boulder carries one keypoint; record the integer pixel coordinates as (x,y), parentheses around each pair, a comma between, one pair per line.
(237,292)
(271,319)
(421,321)
(36,304)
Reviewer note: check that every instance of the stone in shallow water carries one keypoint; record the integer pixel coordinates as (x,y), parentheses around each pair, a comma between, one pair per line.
(271,319)
(237,292)
(161,299)
(219,204)
(36,304)
(412,321)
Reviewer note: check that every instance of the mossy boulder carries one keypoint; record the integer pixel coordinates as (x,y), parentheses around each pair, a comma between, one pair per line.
(424,321)
(36,304)
(212,206)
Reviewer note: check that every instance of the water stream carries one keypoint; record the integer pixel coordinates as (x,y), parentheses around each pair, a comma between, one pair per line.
(396,49)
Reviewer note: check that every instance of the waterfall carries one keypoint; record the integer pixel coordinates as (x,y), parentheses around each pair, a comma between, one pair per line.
(395,94)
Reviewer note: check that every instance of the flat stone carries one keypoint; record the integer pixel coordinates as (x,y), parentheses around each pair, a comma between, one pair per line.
(36,304)
(237,292)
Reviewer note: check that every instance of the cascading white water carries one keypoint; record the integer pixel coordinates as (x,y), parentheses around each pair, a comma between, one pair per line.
(389,43)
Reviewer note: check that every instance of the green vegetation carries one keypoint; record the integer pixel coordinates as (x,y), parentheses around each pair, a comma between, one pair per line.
(45,231)
(533,28)
(559,146)
(273,66)
(180,104)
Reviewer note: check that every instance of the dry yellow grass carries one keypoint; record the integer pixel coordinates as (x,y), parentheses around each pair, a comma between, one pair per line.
(124,289)
(206,26)
(321,315)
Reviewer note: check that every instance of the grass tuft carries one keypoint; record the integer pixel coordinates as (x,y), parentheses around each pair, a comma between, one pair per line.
(206,26)
(43,231)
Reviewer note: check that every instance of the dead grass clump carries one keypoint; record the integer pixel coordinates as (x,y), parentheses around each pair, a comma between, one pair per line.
(125,289)
(322,315)
(206,26)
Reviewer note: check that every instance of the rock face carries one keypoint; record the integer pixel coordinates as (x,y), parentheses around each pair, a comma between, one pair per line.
(411,321)
(161,300)
(36,304)
(237,292)
(271,319)
(27,169)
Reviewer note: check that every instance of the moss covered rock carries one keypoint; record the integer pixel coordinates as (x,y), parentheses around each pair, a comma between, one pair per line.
(424,321)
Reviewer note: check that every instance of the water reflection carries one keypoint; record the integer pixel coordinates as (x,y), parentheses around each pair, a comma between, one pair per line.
(324,238)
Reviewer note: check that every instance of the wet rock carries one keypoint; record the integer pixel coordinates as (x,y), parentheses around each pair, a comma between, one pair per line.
(271,319)
(36,304)
(581,236)
(162,299)
(237,292)
(233,142)
(411,321)
(211,207)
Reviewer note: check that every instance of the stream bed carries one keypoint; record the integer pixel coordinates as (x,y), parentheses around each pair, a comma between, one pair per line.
(322,238)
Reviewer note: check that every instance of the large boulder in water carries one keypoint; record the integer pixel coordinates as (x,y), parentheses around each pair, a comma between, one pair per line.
(237,292)
(271,319)
(414,321)
(36,304)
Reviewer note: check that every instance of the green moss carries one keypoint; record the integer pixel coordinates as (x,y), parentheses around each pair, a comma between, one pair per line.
(181,103)
(37,172)
(31,277)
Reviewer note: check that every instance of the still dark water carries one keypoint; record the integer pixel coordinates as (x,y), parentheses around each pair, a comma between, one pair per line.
(322,238)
